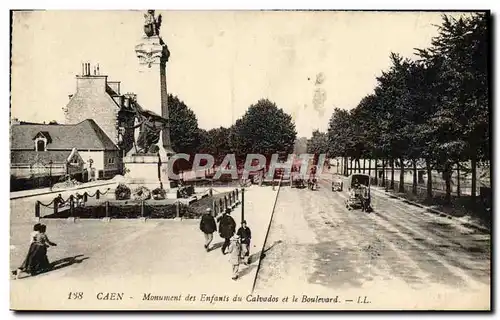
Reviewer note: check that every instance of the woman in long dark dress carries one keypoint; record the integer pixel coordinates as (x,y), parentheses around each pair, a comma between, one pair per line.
(36,260)
(44,240)
(30,262)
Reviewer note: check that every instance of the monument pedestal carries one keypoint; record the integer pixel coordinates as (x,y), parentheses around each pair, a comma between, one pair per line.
(147,170)
(151,170)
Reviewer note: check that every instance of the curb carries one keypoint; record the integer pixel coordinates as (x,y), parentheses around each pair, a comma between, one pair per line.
(61,190)
(436,212)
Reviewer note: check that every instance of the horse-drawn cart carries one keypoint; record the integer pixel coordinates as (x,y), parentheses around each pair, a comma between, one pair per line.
(358,186)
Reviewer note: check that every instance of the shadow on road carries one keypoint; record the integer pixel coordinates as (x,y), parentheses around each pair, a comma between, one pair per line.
(247,270)
(66,262)
(216,246)
(258,255)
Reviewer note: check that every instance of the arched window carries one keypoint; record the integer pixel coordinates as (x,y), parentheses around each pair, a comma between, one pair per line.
(40,145)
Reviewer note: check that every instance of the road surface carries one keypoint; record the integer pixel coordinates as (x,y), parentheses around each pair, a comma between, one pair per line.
(400,256)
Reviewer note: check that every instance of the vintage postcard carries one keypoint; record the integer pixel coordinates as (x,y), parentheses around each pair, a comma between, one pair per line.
(250,160)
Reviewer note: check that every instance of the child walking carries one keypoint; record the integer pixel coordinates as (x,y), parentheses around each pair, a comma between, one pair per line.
(235,253)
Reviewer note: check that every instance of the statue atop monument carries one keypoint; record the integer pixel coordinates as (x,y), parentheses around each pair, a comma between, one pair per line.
(152,24)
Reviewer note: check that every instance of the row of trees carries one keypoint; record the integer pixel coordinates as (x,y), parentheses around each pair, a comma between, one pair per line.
(264,129)
(432,110)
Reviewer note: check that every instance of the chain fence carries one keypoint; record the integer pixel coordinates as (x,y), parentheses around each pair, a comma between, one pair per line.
(77,206)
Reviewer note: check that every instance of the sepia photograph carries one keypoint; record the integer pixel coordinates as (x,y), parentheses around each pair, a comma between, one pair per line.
(334,160)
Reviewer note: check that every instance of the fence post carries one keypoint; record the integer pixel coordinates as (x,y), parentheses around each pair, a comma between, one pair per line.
(107,209)
(210,192)
(237,198)
(214,208)
(225,202)
(220,205)
(37,209)
(85,196)
(71,206)
(56,206)
(97,194)
(242,204)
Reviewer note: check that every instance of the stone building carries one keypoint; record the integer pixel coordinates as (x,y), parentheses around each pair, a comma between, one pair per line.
(99,99)
(55,150)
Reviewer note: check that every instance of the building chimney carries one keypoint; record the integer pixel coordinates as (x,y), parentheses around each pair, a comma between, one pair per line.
(98,70)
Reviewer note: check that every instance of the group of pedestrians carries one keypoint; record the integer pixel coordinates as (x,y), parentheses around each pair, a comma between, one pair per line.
(236,243)
(36,260)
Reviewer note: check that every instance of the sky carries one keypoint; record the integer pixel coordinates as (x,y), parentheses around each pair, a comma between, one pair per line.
(221,62)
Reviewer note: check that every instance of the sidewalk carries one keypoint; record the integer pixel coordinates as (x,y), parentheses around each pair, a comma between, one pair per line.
(161,257)
(44,191)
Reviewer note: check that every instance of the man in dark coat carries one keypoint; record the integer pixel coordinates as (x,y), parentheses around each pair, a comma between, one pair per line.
(227,227)
(208,227)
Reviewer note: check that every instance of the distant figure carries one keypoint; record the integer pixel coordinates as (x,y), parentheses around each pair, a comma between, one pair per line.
(227,227)
(59,201)
(208,227)
(245,235)
(79,200)
(235,255)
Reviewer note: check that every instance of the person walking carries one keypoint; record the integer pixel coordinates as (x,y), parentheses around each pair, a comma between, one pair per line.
(235,255)
(245,235)
(208,227)
(45,242)
(227,227)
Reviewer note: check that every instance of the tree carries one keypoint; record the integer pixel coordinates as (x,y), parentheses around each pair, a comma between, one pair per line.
(263,129)
(462,119)
(318,144)
(184,131)
(339,131)
(218,143)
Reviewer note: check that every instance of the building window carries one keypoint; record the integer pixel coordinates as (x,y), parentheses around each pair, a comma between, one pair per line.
(40,145)
(111,160)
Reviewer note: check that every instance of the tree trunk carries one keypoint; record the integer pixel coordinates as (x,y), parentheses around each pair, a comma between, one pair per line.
(473,164)
(364,165)
(376,172)
(401,177)
(458,180)
(384,162)
(392,175)
(429,178)
(447,180)
(414,186)
(369,167)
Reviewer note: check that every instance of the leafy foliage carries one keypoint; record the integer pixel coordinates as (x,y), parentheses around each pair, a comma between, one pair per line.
(263,129)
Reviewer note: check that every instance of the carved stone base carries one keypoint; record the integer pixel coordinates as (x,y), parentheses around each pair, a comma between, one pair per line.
(144,169)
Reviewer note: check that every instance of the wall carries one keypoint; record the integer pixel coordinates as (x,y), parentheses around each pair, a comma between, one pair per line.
(92,102)
(111,169)
(97,157)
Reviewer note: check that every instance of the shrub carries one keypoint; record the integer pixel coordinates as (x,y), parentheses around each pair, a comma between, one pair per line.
(142,193)
(159,194)
(122,192)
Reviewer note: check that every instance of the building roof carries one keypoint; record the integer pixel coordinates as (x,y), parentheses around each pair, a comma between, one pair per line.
(86,135)
(33,157)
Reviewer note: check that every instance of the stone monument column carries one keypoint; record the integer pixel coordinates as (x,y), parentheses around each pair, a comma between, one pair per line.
(153,54)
